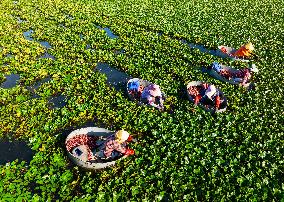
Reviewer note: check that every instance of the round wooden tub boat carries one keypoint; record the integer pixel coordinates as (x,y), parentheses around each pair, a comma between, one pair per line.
(143,84)
(79,142)
(210,108)
(216,75)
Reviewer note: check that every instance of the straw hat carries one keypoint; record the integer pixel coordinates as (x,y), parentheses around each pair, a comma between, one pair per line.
(154,90)
(249,46)
(121,135)
(210,91)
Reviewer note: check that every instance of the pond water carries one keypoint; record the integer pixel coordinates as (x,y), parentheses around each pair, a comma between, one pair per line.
(33,88)
(10,151)
(57,101)
(27,36)
(122,51)
(114,77)
(11,81)
(47,55)
(205,50)
(109,33)
(45,44)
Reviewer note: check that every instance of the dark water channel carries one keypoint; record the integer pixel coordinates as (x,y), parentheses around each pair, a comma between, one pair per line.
(217,53)
(114,77)
(57,101)
(109,33)
(45,44)
(11,81)
(10,151)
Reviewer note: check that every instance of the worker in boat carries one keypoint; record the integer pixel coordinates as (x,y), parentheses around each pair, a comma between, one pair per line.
(241,76)
(116,143)
(152,95)
(244,51)
(135,89)
(208,96)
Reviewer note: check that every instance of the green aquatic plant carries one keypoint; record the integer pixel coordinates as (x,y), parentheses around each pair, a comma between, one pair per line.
(183,153)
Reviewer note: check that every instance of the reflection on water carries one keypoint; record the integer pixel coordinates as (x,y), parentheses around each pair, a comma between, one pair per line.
(10,151)
(11,81)
(109,33)
(114,77)
(57,101)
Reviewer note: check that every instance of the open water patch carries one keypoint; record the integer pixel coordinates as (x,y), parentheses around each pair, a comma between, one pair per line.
(28,35)
(57,101)
(11,81)
(114,77)
(119,52)
(47,55)
(109,33)
(10,151)
(36,86)
(217,53)
(45,44)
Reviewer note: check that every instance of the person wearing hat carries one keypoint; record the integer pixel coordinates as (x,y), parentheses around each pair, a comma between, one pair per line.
(116,143)
(244,51)
(152,95)
(242,75)
(210,96)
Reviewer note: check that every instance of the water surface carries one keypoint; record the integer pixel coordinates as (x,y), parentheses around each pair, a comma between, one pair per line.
(10,151)
(109,33)
(115,77)
(11,81)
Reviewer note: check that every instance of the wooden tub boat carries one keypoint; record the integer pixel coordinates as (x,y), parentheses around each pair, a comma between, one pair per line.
(216,75)
(197,85)
(79,153)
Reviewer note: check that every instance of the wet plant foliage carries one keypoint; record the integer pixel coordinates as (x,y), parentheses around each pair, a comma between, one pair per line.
(183,153)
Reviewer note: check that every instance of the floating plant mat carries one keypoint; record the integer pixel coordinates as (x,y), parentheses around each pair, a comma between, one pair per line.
(10,151)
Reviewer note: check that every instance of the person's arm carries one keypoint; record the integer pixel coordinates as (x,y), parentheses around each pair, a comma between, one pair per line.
(197,99)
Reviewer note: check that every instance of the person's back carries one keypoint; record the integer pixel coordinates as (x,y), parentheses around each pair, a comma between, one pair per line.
(150,95)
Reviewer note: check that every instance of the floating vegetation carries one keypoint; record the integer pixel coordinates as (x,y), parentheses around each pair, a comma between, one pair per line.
(47,55)
(184,153)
